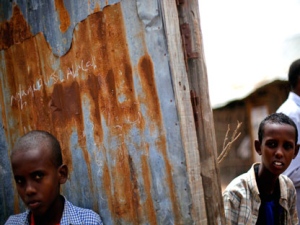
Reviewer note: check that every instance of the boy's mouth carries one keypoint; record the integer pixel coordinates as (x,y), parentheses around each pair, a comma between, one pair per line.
(33,204)
(276,163)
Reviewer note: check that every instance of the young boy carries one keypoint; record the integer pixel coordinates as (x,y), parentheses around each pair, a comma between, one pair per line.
(39,171)
(263,195)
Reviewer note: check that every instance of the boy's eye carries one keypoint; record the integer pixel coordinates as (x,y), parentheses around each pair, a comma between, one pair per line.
(288,146)
(271,144)
(19,180)
(38,175)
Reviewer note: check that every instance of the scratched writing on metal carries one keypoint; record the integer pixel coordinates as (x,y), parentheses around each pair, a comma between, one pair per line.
(74,73)
(71,73)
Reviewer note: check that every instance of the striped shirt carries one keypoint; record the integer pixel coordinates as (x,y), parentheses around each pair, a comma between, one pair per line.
(242,201)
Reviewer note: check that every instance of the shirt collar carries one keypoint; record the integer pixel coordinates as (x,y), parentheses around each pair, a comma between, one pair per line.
(296,98)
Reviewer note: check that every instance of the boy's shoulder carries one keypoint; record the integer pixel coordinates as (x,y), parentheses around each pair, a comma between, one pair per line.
(18,219)
(72,215)
(286,184)
(285,179)
(244,180)
(76,215)
(243,186)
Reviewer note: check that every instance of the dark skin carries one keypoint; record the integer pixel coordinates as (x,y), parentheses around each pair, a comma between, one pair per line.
(38,183)
(277,150)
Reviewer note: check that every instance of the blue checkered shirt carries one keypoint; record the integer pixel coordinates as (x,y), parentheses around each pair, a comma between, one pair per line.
(72,215)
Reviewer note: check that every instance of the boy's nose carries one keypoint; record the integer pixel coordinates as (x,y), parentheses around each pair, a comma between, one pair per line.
(278,153)
(29,189)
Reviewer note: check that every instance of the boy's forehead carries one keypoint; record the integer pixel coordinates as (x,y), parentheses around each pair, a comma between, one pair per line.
(273,124)
(270,126)
(30,161)
(37,150)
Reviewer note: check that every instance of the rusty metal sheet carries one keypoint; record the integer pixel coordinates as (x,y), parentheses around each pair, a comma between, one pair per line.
(104,89)
(56,19)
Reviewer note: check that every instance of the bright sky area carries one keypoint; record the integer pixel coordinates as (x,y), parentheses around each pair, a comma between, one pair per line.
(247,43)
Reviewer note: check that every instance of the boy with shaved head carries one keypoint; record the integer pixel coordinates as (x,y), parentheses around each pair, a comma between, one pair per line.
(39,171)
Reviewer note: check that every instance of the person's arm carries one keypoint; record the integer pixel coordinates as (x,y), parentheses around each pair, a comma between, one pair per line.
(17,219)
(92,218)
(236,208)
(293,171)
(293,207)
(231,209)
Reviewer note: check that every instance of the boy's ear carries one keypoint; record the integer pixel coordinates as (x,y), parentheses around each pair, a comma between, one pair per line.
(257,147)
(296,150)
(63,173)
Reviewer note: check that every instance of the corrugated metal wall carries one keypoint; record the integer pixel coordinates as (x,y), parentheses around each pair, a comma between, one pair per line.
(96,75)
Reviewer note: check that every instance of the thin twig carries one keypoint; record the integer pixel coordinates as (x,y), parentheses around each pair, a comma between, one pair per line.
(227,146)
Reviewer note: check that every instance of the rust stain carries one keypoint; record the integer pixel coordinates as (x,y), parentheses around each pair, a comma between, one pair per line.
(148,206)
(64,16)
(118,105)
(67,109)
(151,100)
(107,184)
(21,61)
(136,194)
(123,190)
(65,105)
(14,31)
(93,88)
(97,7)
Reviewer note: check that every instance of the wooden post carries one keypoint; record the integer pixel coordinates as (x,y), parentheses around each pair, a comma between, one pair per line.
(197,73)
(190,47)
(185,110)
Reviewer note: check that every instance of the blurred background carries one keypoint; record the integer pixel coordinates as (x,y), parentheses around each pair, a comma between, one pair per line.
(248,46)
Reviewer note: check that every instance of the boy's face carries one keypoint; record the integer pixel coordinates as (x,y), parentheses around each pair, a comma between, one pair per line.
(37,179)
(278,147)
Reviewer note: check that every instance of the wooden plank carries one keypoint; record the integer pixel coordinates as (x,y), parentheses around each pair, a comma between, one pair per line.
(188,12)
(184,107)
(197,73)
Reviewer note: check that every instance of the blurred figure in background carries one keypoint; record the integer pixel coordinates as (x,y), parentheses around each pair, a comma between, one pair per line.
(291,108)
